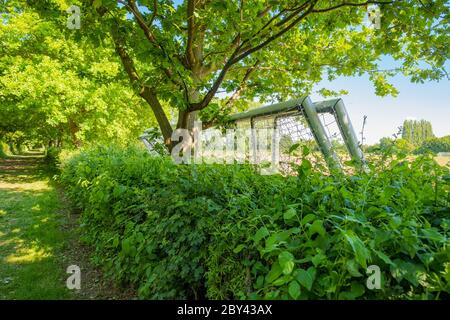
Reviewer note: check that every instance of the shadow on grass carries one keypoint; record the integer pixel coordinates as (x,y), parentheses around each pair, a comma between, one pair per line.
(23,168)
(29,232)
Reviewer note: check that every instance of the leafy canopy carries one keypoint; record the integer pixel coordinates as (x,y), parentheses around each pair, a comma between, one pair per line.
(189,51)
(214,56)
(55,88)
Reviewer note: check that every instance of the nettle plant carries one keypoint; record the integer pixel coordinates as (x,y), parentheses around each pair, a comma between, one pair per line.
(187,52)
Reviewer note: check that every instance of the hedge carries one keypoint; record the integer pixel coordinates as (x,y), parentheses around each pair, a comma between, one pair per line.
(226,232)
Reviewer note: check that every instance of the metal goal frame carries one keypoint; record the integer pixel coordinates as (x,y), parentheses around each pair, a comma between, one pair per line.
(304,107)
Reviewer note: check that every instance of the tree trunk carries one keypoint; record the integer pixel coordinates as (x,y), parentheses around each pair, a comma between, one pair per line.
(150,97)
(186,119)
(73,129)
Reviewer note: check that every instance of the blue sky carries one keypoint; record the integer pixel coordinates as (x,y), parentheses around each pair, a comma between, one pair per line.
(429,101)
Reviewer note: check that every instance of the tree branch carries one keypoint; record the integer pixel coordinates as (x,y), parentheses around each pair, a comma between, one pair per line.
(208,97)
(131,5)
(275,36)
(145,92)
(238,56)
(263,12)
(241,88)
(155,12)
(295,10)
(234,58)
(351,4)
(190,36)
(127,62)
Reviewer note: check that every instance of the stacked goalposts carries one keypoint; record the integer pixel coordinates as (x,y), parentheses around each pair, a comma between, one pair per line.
(324,127)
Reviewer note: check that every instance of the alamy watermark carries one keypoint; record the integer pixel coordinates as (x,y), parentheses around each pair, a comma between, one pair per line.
(374,17)
(255,146)
(73,281)
(74,19)
(374,280)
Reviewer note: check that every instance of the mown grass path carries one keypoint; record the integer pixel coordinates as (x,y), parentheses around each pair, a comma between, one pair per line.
(31,237)
(39,238)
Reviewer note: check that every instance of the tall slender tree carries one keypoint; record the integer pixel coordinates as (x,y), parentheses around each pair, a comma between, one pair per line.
(417,131)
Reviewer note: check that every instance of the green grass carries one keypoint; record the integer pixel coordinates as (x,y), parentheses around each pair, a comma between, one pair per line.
(31,238)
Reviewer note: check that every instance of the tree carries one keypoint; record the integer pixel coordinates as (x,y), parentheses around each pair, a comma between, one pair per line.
(187,52)
(416,132)
(434,145)
(59,90)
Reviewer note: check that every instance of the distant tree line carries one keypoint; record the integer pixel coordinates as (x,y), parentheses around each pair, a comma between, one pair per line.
(416,137)
(434,145)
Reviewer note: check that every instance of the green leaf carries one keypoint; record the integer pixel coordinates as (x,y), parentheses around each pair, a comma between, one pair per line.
(305,151)
(433,234)
(282,280)
(308,218)
(126,246)
(239,248)
(260,234)
(383,257)
(317,227)
(294,289)
(275,240)
(286,260)
(352,268)
(408,270)
(318,258)
(289,214)
(274,273)
(360,251)
(97,4)
(115,242)
(305,166)
(356,290)
(293,147)
(306,277)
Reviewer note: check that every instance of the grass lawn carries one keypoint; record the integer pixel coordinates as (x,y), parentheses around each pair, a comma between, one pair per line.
(31,240)
(39,239)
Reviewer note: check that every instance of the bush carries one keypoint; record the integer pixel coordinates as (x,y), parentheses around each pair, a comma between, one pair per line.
(52,156)
(434,145)
(223,231)
(391,146)
(4,150)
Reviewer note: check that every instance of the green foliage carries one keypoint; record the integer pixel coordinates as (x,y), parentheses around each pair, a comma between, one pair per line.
(4,150)
(434,145)
(155,138)
(188,52)
(223,231)
(52,156)
(62,92)
(391,146)
(417,132)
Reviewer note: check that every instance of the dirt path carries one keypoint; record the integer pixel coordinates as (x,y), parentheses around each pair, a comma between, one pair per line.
(39,238)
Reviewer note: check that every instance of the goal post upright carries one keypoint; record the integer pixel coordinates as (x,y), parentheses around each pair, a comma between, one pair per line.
(337,108)
(348,133)
(320,134)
